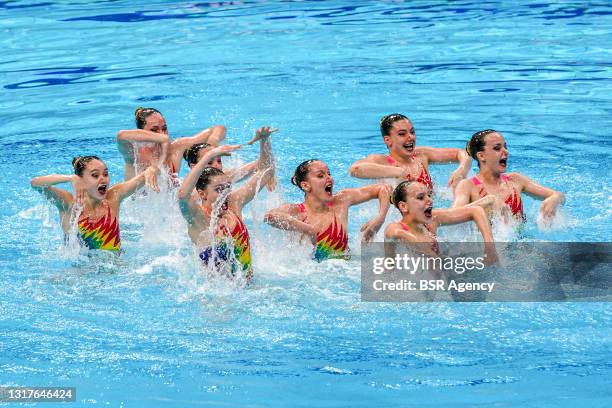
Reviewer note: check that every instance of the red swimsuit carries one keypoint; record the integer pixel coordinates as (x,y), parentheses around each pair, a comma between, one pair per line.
(424,177)
(513,201)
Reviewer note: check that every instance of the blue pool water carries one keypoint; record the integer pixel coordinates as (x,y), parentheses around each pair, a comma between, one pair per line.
(151,330)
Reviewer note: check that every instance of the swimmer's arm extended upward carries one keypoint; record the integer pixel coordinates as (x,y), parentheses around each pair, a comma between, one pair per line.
(125,140)
(445,155)
(450,216)
(265,169)
(360,195)
(242,172)
(61,198)
(120,191)
(462,193)
(212,135)
(192,177)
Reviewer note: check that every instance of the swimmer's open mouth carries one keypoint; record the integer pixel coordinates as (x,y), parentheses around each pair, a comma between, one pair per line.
(102,189)
(504,162)
(329,188)
(408,146)
(428,211)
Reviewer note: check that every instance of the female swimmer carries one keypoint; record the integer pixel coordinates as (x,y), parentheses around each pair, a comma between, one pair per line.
(405,160)
(488,147)
(215,203)
(420,221)
(98,222)
(158,149)
(323,216)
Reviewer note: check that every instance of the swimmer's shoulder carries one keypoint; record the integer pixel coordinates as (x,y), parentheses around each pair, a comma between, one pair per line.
(391,231)
(376,158)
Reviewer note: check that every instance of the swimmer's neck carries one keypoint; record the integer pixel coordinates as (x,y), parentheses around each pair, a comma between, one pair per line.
(315,205)
(487,176)
(411,223)
(93,202)
(208,209)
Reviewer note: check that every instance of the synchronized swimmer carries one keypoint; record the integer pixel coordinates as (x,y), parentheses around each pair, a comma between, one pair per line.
(213,209)
(323,216)
(157,149)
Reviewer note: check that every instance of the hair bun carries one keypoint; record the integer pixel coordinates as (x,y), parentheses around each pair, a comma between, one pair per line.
(293,181)
(138,110)
(75,161)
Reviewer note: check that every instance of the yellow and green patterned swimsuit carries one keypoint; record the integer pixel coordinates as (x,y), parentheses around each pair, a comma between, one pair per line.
(331,243)
(100,234)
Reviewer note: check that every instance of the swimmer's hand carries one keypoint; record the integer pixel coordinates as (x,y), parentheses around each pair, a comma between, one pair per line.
(151,178)
(491,257)
(548,209)
(455,178)
(79,190)
(370,228)
(271,184)
(262,133)
(223,150)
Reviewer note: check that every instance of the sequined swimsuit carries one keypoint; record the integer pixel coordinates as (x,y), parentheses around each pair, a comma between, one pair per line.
(424,177)
(331,243)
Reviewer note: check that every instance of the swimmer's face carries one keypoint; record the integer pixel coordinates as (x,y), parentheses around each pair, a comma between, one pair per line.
(495,153)
(319,181)
(95,179)
(418,203)
(216,162)
(401,139)
(156,123)
(218,188)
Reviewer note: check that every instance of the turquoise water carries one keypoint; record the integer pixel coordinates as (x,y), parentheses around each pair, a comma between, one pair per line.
(151,330)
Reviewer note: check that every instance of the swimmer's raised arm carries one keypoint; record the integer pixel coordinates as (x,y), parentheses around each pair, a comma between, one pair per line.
(450,216)
(192,177)
(362,194)
(61,198)
(212,135)
(242,172)
(445,155)
(120,191)
(462,193)
(371,168)
(125,138)
(265,168)
(551,198)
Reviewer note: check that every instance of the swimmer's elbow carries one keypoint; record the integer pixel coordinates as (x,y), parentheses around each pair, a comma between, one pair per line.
(35,182)
(355,170)
(121,136)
